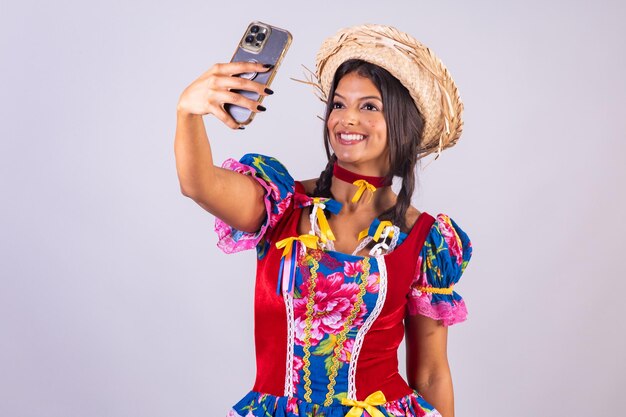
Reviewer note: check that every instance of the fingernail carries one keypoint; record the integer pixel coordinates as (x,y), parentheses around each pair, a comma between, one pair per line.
(260,108)
(269,66)
(241,127)
(268,91)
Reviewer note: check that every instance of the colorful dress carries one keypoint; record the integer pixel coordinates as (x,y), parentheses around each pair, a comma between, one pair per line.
(328,324)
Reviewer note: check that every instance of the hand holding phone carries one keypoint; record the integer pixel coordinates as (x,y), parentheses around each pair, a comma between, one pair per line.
(264,44)
(216,87)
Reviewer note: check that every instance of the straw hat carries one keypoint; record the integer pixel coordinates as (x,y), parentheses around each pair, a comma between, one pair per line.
(415,65)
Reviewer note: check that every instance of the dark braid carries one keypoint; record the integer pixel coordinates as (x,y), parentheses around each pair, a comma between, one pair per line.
(397,213)
(404,153)
(322,186)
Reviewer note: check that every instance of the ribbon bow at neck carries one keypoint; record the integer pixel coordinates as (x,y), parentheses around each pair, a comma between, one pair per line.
(376,398)
(363,185)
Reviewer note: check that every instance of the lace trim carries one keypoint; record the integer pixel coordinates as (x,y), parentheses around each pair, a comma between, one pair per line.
(366,241)
(358,341)
(382,244)
(395,238)
(289,388)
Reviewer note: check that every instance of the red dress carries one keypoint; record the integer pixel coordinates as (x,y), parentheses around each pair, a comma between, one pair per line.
(328,324)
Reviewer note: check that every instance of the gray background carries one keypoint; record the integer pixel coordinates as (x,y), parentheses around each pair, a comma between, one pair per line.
(114,300)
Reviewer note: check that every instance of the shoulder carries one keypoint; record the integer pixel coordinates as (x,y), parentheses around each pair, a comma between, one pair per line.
(309,185)
(412,214)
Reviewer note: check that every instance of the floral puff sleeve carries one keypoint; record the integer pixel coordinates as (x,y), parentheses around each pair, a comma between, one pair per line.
(279,188)
(441,262)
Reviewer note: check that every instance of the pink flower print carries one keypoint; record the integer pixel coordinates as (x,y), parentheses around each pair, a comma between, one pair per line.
(395,408)
(450,236)
(346,351)
(333,301)
(281,206)
(351,269)
(373,282)
(420,275)
(301,200)
(274,190)
(298,363)
(420,261)
(292,405)
(329,261)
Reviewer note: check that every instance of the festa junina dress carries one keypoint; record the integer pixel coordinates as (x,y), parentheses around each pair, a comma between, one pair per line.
(328,324)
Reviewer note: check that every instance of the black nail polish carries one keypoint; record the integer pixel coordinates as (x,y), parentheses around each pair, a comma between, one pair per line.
(241,127)
(268,91)
(260,108)
(268,66)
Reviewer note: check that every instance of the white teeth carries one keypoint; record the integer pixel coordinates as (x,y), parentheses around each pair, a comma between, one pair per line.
(343,136)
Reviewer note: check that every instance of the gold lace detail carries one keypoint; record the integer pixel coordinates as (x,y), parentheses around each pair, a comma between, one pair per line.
(341,339)
(307,329)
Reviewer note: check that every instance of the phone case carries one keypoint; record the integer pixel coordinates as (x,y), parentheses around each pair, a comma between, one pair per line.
(272,51)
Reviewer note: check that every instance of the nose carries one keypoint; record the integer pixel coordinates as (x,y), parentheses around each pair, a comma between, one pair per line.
(350,117)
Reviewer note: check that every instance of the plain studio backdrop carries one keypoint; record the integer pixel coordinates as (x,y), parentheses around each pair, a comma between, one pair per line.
(115,301)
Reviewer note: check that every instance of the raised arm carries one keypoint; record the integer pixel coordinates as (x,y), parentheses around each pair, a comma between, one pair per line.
(235,198)
(427,366)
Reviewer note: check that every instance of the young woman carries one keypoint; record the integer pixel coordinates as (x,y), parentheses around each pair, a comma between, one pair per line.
(346,267)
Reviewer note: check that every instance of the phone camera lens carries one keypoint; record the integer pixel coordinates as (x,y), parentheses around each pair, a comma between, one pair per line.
(249,38)
(254,29)
(260,37)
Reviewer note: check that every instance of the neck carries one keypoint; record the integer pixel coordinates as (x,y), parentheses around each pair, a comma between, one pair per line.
(343,189)
(351,176)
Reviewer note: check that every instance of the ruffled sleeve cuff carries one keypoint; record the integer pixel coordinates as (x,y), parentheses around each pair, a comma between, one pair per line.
(279,188)
(441,262)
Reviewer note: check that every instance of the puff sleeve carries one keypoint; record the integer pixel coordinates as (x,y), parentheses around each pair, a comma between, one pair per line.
(441,262)
(279,189)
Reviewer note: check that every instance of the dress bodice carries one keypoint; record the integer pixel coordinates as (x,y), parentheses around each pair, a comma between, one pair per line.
(328,324)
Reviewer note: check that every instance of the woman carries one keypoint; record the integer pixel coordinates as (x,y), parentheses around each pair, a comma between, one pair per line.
(345,266)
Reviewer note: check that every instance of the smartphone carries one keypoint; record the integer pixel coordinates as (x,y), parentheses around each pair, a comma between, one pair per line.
(264,44)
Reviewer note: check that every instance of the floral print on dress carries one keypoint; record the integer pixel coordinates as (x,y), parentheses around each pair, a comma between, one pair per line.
(441,262)
(298,363)
(339,305)
(351,269)
(333,301)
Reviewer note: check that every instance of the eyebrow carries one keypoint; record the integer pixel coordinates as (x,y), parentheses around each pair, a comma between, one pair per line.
(362,98)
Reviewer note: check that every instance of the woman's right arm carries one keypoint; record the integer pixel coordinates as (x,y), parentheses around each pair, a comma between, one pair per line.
(235,198)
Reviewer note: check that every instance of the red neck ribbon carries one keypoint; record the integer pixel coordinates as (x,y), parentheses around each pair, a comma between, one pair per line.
(349,176)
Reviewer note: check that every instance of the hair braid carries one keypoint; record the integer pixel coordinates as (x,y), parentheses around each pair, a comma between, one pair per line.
(322,186)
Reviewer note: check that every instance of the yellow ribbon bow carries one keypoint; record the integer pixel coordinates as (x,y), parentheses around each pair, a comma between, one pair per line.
(309,241)
(379,230)
(376,398)
(363,185)
(381,227)
(325,231)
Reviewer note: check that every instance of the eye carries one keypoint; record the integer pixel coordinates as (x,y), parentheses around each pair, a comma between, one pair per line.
(370,106)
(337,105)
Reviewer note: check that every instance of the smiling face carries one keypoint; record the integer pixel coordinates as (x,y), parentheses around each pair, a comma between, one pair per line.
(356,125)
